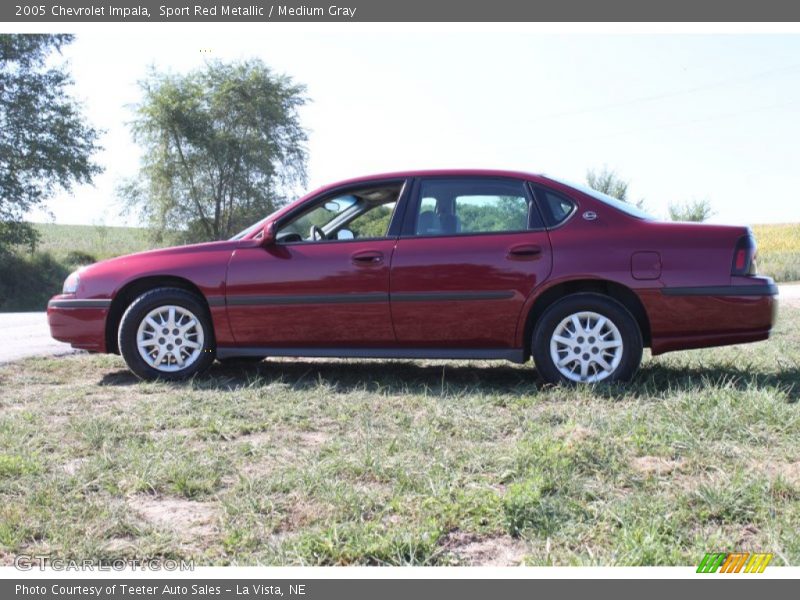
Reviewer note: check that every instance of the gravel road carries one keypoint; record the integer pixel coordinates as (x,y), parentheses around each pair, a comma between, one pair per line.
(27,334)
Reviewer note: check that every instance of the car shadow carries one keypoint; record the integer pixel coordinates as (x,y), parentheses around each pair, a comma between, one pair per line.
(654,379)
(460,379)
(393,377)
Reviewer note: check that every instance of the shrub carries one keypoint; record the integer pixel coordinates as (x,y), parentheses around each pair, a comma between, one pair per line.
(28,282)
(77,258)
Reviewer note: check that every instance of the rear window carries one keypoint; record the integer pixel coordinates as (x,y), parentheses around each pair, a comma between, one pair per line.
(628,209)
(556,208)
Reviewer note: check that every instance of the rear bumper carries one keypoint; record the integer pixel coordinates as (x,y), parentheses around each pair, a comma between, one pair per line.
(683,318)
(78,322)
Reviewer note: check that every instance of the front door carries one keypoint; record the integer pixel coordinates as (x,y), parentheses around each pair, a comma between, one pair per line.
(472,251)
(325,282)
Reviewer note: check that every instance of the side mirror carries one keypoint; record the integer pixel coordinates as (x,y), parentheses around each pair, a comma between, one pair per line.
(344,234)
(268,234)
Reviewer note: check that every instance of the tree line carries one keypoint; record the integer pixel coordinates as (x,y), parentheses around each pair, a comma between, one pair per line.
(222,145)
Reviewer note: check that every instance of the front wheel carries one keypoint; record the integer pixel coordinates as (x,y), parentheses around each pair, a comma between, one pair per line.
(166,334)
(587,338)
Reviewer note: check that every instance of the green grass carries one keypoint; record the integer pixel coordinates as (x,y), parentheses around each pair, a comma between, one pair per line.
(325,462)
(98,241)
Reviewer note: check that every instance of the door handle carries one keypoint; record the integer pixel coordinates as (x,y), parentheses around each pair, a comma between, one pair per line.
(524,252)
(367,257)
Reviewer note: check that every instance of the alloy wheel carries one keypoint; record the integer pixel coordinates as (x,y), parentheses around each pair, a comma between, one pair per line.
(170,338)
(586,347)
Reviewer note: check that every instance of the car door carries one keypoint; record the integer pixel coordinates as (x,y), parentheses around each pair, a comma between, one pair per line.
(472,250)
(324,293)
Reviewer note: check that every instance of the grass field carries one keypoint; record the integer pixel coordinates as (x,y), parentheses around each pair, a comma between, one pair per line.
(400,462)
(98,241)
(779,250)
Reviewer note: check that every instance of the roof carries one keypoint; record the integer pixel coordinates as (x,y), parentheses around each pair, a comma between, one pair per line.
(439,173)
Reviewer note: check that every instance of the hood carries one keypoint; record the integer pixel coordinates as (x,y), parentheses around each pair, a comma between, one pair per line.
(200,248)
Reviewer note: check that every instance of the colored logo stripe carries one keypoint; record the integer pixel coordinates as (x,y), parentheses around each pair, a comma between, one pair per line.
(757,563)
(734,562)
(711,562)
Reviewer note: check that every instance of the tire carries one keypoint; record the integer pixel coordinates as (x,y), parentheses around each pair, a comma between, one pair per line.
(174,350)
(586,338)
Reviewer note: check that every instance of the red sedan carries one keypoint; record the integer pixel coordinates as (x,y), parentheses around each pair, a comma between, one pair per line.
(430,264)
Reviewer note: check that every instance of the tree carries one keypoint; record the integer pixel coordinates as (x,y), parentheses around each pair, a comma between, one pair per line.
(45,144)
(696,210)
(222,145)
(608,182)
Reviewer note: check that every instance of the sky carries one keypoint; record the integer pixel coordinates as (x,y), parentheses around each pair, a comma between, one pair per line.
(680,116)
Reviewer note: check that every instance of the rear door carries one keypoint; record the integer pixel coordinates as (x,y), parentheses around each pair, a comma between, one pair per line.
(472,250)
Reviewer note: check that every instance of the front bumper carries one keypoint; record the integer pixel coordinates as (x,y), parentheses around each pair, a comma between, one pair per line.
(80,322)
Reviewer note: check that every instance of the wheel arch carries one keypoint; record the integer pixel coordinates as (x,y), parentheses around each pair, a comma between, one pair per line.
(135,288)
(619,292)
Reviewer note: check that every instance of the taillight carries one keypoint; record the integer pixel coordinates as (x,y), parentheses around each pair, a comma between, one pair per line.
(744,256)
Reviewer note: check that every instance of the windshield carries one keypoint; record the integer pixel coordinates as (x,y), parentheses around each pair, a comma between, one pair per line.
(627,208)
(244,232)
(254,227)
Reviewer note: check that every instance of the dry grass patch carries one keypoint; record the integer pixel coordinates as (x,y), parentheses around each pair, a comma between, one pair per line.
(484,550)
(188,519)
(656,465)
(257,439)
(575,435)
(788,471)
(178,432)
(313,439)
(72,467)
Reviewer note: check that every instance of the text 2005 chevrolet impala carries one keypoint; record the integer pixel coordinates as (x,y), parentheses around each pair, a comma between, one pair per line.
(434,264)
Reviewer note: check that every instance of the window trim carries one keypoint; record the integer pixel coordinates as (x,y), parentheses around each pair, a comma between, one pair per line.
(338,191)
(414,200)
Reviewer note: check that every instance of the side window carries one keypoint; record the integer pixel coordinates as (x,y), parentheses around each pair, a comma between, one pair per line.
(464,206)
(319,216)
(372,223)
(555,207)
(357,214)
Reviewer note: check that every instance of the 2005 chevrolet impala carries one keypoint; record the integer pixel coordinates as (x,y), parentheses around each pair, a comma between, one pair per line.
(429,264)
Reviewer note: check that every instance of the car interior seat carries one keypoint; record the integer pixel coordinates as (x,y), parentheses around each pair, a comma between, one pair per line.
(428,223)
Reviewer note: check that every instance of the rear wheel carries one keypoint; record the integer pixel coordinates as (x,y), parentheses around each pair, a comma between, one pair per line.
(587,338)
(166,334)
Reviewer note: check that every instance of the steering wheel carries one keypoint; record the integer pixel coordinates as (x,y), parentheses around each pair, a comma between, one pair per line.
(316,233)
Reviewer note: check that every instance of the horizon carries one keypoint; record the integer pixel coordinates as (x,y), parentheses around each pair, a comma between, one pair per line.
(721,110)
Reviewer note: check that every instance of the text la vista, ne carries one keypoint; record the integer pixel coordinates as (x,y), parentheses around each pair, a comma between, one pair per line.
(259,589)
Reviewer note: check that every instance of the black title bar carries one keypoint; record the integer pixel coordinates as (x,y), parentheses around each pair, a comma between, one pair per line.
(731,588)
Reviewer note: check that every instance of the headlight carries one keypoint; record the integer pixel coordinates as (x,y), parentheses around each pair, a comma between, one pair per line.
(71,284)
